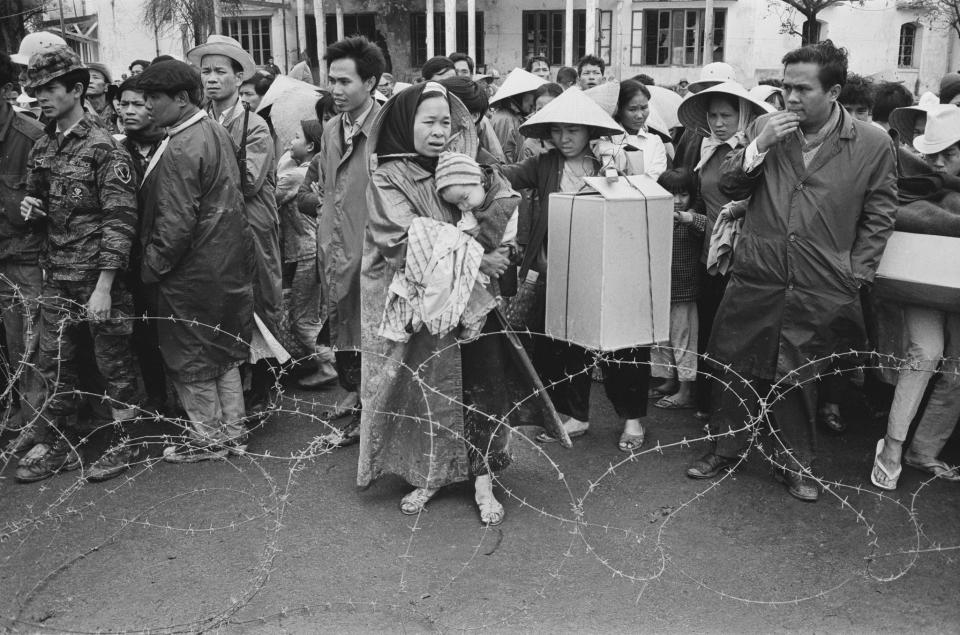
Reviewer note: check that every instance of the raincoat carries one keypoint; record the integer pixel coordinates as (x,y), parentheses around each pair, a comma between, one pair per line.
(259,185)
(198,251)
(812,235)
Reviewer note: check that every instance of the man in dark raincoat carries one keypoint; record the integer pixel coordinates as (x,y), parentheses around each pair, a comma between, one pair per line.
(823,196)
(197,250)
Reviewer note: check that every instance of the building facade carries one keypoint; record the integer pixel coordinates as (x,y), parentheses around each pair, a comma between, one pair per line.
(662,38)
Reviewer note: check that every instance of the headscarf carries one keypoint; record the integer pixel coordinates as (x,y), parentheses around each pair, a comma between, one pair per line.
(710,144)
(471,93)
(396,135)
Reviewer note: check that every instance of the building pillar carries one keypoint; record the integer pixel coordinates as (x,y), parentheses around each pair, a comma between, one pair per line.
(450,25)
(340,30)
(301,28)
(708,33)
(217,17)
(321,22)
(429,5)
(568,34)
(472,29)
(590,37)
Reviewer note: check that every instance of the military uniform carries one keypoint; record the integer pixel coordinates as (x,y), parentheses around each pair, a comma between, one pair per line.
(87,183)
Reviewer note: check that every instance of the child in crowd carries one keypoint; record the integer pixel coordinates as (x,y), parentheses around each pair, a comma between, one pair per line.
(298,238)
(677,365)
(487,203)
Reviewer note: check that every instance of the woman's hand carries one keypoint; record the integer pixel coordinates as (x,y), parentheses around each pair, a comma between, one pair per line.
(495,262)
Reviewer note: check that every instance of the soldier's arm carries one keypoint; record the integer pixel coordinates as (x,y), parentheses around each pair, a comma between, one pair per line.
(117,186)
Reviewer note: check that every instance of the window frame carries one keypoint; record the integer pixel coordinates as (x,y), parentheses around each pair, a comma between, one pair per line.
(418,28)
(674,36)
(555,26)
(247,36)
(913,46)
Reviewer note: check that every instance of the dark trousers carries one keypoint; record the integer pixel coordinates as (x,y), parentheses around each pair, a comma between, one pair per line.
(483,363)
(62,323)
(348,370)
(565,370)
(790,416)
(709,295)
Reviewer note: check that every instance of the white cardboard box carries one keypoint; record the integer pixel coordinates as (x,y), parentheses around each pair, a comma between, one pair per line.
(608,264)
(921,269)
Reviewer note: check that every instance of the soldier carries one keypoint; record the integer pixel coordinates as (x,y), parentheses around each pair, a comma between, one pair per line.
(20,273)
(98,101)
(82,191)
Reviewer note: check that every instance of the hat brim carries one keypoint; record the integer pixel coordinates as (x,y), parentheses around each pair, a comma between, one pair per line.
(697,86)
(924,146)
(693,111)
(518,82)
(572,108)
(46,79)
(22,60)
(196,54)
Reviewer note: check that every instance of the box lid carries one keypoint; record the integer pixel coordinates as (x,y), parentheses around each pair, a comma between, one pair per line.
(625,188)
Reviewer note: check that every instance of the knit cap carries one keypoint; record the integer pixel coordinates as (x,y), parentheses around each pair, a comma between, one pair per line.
(454,168)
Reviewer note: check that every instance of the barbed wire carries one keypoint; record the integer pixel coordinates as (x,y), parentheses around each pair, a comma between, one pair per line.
(263,488)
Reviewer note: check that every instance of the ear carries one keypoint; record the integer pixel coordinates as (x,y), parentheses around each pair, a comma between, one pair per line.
(834,92)
(370,83)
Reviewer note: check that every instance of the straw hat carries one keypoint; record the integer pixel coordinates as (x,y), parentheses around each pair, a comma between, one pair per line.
(464,131)
(942,131)
(664,104)
(762,92)
(607,95)
(693,110)
(712,74)
(904,119)
(226,46)
(102,69)
(517,82)
(34,43)
(572,108)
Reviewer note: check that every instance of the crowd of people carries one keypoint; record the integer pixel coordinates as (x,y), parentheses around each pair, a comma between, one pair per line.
(160,247)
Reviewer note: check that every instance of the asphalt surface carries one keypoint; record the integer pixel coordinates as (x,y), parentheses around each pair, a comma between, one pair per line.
(282,541)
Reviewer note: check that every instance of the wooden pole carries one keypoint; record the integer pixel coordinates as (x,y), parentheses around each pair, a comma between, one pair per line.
(340,30)
(321,20)
(708,33)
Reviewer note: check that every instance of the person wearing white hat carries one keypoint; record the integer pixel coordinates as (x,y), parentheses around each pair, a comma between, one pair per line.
(513,102)
(712,74)
(932,336)
(223,65)
(822,193)
(571,121)
(34,43)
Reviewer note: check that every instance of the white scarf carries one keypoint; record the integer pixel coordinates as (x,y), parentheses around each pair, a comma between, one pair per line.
(709,145)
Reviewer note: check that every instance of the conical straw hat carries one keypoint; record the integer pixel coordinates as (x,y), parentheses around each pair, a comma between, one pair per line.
(606,95)
(517,82)
(693,110)
(572,108)
(664,104)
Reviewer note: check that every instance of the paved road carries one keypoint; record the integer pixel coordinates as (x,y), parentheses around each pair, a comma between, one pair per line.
(282,541)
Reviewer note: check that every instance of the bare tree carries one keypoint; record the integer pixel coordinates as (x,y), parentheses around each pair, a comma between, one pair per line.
(15,17)
(936,13)
(809,30)
(194,17)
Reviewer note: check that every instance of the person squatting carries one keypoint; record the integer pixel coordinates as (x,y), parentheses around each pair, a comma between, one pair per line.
(161,248)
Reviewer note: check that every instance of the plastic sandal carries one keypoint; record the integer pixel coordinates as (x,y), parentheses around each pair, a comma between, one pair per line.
(416,501)
(879,475)
(492,512)
(933,466)
(630,442)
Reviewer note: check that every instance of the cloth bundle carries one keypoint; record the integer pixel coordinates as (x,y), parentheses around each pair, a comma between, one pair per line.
(437,287)
(723,240)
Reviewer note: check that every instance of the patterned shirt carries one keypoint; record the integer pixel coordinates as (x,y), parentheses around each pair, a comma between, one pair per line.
(89,192)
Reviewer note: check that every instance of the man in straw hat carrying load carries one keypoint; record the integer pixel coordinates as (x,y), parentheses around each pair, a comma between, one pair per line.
(223,65)
(82,192)
(823,194)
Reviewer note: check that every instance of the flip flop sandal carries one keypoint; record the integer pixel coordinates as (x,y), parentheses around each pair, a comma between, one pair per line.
(543,437)
(668,404)
(350,435)
(656,393)
(935,466)
(416,501)
(630,442)
(833,422)
(879,475)
(492,512)
(35,455)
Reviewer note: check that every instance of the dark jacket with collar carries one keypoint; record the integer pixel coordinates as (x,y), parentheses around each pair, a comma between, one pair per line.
(811,236)
(20,241)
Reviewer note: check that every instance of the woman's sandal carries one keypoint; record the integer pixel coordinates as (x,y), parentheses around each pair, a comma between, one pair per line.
(933,466)
(492,512)
(879,475)
(416,501)
(630,442)
(544,437)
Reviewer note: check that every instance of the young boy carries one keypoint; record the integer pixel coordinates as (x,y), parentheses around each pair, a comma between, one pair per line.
(681,357)
(298,240)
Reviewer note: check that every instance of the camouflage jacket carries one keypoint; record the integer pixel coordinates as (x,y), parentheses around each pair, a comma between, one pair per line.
(19,241)
(89,191)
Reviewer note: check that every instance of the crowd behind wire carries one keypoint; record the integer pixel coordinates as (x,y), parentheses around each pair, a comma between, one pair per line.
(172,250)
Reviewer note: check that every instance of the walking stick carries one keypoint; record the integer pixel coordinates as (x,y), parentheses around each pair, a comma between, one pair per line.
(553,423)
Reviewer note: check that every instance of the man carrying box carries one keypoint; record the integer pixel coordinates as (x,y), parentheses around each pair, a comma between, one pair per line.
(823,195)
